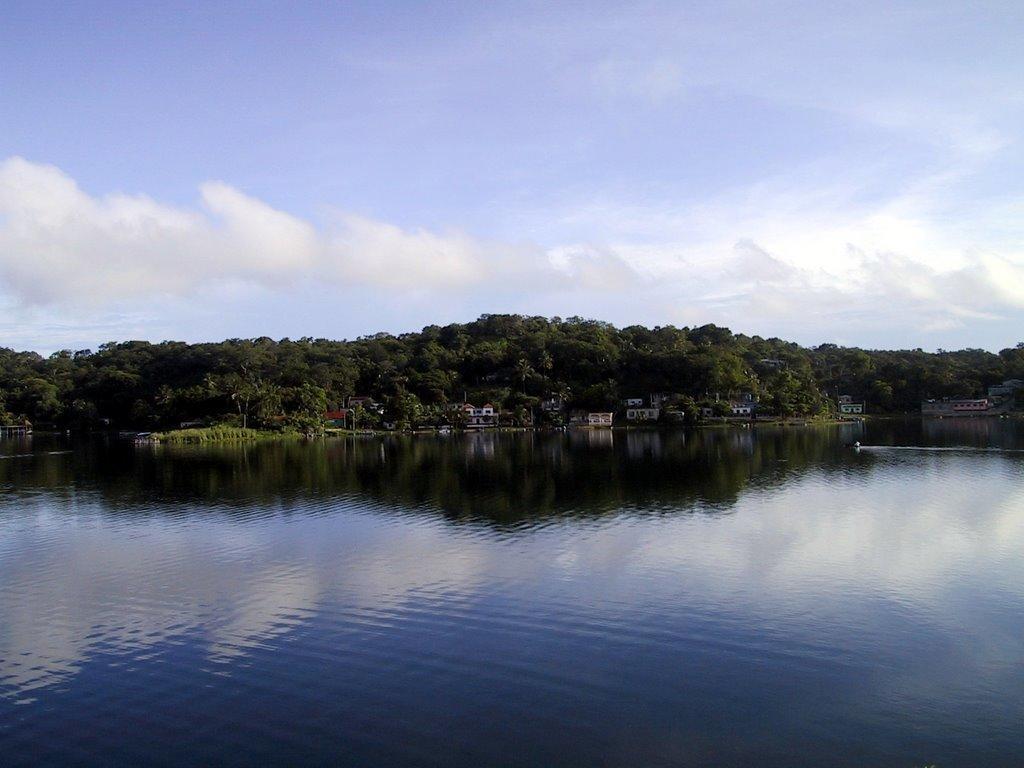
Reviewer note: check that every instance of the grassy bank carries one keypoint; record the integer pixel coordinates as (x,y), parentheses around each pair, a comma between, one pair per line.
(221,435)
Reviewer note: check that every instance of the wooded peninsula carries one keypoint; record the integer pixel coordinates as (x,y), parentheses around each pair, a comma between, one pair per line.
(533,371)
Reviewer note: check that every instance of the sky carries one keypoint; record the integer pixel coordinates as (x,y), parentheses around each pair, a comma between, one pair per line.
(822,171)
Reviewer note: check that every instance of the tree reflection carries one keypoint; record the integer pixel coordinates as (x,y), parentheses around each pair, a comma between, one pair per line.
(504,478)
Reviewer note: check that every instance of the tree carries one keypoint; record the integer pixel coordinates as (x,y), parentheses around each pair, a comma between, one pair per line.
(523,371)
(306,408)
(504,359)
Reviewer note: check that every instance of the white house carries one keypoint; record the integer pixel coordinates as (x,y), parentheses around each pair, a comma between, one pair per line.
(478,418)
(742,408)
(633,402)
(642,414)
(599,419)
(851,408)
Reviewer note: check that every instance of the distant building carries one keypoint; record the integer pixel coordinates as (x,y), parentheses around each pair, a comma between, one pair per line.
(642,414)
(633,402)
(771,362)
(661,399)
(848,407)
(363,401)
(742,408)
(962,407)
(1007,389)
(480,418)
(599,419)
(552,405)
(337,418)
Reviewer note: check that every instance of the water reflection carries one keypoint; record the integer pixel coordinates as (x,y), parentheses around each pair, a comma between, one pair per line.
(674,598)
(499,477)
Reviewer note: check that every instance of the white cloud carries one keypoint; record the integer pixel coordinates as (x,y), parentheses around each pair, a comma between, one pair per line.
(777,257)
(797,254)
(383,254)
(59,244)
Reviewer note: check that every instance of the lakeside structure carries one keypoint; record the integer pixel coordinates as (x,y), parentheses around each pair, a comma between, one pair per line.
(847,406)
(338,418)
(743,408)
(479,418)
(641,414)
(1008,388)
(1001,400)
(959,407)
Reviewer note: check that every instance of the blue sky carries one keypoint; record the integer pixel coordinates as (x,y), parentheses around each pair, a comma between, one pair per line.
(845,172)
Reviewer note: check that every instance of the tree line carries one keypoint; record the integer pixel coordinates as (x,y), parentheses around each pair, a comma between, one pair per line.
(511,361)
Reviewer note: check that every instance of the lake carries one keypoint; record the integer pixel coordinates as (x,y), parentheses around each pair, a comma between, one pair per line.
(725,597)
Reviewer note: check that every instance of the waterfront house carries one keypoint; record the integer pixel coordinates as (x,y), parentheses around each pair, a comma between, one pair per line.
(847,406)
(971,406)
(742,408)
(1007,389)
(957,407)
(479,418)
(337,418)
(552,405)
(642,414)
(633,402)
(599,419)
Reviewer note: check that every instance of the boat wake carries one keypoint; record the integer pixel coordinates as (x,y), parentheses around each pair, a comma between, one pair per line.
(37,453)
(936,449)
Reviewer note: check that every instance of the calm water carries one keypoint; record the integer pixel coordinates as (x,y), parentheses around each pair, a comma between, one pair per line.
(726,598)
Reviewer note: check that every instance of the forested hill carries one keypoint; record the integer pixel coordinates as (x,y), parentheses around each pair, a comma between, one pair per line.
(508,360)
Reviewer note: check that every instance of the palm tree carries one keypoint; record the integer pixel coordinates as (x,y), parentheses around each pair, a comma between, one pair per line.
(524,371)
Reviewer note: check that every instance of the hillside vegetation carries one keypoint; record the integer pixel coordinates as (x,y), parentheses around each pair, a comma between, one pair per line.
(508,360)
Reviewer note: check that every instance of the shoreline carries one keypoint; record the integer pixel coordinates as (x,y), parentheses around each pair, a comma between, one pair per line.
(207,435)
(233,434)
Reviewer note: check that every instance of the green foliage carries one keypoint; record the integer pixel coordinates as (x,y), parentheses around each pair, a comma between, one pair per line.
(509,360)
(219,434)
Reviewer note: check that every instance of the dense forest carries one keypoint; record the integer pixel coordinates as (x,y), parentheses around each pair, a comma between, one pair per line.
(511,361)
